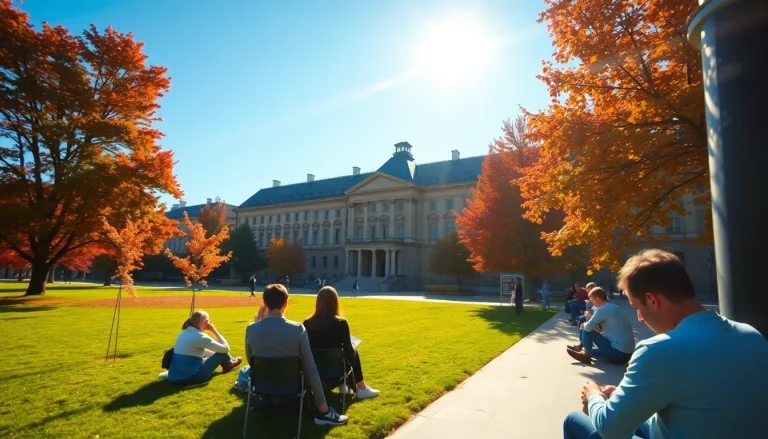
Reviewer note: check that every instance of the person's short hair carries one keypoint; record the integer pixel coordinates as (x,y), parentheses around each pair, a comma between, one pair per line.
(275,296)
(590,285)
(656,271)
(599,293)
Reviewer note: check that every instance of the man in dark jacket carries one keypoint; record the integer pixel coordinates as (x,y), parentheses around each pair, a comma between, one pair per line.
(252,284)
(518,295)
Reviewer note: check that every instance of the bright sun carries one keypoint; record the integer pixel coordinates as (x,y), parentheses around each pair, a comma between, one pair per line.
(453,50)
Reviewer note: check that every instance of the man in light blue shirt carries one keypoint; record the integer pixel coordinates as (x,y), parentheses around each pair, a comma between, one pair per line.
(606,334)
(702,376)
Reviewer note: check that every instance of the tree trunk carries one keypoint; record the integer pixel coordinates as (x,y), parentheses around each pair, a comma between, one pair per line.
(108,277)
(21,275)
(37,279)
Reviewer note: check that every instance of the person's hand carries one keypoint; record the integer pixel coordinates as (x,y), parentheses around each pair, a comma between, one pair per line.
(581,326)
(589,388)
(588,315)
(210,327)
(262,313)
(607,390)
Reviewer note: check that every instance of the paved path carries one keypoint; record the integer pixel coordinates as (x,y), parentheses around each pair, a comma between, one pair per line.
(523,393)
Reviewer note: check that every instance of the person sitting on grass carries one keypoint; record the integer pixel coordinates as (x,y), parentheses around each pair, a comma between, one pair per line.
(196,355)
(701,376)
(607,334)
(327,330)
(274,336)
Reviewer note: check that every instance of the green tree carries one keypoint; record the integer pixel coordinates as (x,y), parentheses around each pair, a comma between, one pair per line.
(246,256)
(450,257)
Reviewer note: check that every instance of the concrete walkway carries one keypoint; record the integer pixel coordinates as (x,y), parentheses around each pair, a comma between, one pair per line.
(524,393)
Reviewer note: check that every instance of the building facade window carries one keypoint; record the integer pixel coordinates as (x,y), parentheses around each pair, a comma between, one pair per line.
(295,236)
(337,237)
(432,205)
(385,207)
(261,220)
(287,217)
(305,237)
(359,233)
(270,219)
(359,210)
(327,214)
(372,207)
(296,216)
(449,204)
(701,219)
(315,237)
(372,232)
(325,261)
(314,262)
(400,230)
(338,213)
(450,227)
(269,237)
(306,215)
(326,236)
(287,235)
(400,206)
(432,231)
(384,230)
(335,262)
(262,243)
(677,225)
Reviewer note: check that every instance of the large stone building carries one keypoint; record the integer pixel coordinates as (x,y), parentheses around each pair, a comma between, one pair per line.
(379,226)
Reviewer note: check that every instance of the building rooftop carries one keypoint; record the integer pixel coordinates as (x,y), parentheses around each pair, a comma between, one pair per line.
(177,213)
(400,165)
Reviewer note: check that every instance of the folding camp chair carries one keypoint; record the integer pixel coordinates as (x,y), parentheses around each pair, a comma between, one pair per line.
(333,368)
(276,377)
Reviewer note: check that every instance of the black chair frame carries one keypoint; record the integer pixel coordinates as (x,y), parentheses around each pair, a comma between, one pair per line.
(334,369)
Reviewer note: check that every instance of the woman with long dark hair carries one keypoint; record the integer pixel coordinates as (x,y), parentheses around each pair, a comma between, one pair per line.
(327,330)
(196,355)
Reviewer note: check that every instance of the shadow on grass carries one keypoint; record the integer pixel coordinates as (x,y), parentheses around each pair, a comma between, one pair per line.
(20,305)
(505,320)
(147,395)
(274,423)
(52,418)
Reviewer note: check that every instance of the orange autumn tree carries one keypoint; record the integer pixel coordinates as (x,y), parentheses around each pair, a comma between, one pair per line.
(623,142)
(130,243)
(203,255)
(213,218)
(492,225)
(10,259)
(285,258)
(77,142)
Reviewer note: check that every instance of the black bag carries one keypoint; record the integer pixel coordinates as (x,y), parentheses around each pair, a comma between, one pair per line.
(167,357)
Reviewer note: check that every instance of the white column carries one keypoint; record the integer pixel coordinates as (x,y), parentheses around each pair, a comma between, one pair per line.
(365,221)
(408,233)
(387,254)
(373,263)
(359,263)
(391,228)
(350,221)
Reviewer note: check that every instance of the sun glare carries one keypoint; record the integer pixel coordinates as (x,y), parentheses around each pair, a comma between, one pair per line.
(453,50)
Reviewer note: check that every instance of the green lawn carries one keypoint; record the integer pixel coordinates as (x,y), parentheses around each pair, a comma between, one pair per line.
(55,382)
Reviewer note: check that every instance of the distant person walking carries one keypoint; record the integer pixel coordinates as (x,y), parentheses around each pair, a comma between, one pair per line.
(518,295)
(252,285)
(355,287)
(319,284)
(546,293)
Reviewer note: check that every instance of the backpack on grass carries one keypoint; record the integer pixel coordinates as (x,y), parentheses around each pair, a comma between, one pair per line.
(167,357)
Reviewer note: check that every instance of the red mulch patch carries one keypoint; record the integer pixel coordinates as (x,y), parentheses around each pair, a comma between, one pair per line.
(201,302)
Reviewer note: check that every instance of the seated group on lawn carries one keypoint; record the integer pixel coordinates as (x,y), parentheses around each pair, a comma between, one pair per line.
(701,376)
(196,355)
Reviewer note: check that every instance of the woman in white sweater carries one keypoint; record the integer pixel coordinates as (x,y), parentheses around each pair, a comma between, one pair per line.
(196,355)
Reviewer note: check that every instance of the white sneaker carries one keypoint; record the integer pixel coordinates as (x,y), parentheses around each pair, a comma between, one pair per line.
(368,392)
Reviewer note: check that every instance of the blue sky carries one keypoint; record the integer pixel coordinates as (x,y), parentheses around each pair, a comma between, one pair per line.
(275,90)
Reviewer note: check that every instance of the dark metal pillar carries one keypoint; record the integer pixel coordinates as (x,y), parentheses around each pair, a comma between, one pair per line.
(733,38)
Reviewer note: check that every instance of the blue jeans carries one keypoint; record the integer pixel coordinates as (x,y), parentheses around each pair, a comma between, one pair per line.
(206,369)
(603,347)
(545,299)
(577,306)
(577,425)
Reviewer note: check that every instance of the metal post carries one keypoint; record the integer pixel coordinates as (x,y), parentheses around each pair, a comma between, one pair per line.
(732,35)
